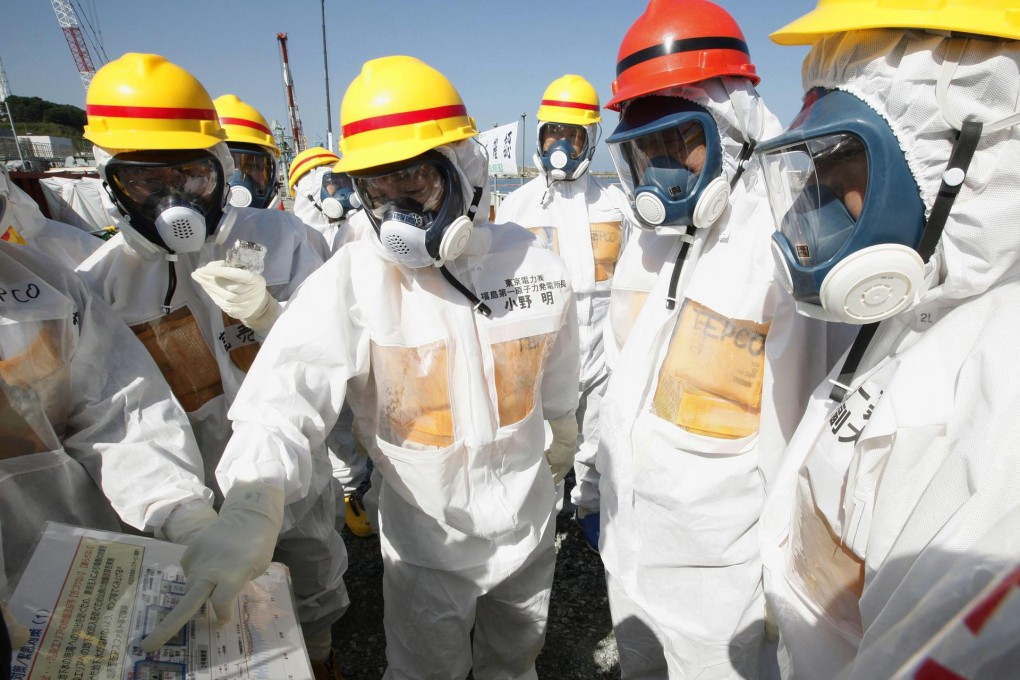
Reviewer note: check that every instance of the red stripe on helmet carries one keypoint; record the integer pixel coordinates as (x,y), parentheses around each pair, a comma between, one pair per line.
(246,123)
(305,161)
(149,112)
(407,118)
(569,105)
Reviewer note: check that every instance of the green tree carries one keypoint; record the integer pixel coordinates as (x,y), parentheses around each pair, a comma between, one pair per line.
(65,115)
(27,109)
(35,116)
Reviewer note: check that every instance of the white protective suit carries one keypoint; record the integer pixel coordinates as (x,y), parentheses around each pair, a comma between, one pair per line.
(898,488)
(644,255)
(205,354)
(306,207)
(700,402)
(452,404)
(582,222)
(347,456)
(89,430)
(23,222)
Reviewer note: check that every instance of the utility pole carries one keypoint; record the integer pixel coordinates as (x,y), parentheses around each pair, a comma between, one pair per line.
(325,64)
(292,109)
(5,92)
(524,150)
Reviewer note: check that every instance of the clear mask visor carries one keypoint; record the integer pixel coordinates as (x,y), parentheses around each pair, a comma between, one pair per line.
(146,186)
(418,188)
(671,159)
(255,169)
(574,135)
(332,182)
(816,190)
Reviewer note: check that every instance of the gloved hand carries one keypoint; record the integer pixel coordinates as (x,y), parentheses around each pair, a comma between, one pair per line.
(187,520)
(224,556)
(560,454)
(240,293)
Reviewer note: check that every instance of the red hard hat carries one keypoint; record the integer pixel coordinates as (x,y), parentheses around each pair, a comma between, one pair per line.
(678,42)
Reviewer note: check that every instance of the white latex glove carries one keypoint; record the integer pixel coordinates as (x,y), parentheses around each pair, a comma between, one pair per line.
(224,556)
(560,454)
(240,293)
(187,520)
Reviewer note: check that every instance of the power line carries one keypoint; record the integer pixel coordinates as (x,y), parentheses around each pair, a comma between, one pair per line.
(67,18)
(91,33)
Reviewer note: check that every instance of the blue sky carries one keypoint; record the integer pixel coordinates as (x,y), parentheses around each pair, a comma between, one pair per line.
(500,56)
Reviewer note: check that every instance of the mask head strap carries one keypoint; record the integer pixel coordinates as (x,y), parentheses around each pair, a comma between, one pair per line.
(475,200)
(742,159)
(476,304)
(952,179)
(681,257)
(841,385)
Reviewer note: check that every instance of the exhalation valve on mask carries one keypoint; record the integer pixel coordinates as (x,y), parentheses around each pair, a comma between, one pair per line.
(559,156)
(560,162)
(335,207)
(241,195)
(180,225)
(332,208)
(402,231)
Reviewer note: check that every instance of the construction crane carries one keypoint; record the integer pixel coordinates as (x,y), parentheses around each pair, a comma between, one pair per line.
(69,24)
(292,109)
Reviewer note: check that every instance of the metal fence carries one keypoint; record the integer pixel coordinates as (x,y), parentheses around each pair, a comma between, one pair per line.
(79,149)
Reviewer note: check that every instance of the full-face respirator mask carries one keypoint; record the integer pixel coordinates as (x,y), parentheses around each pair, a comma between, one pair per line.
(418,208)
(848,211)
(336,196)
(253,184)
(564,151)
(668,155)
(175,199)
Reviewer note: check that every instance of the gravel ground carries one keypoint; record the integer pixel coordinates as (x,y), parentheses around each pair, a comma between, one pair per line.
(579,643)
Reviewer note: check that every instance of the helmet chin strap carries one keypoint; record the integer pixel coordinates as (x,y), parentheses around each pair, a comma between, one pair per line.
(949,64)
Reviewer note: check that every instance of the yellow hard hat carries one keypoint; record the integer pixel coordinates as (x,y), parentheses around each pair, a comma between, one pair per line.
(306,160)
(398,108)
(143,101)
(996,18)
(571,100)
(243,123)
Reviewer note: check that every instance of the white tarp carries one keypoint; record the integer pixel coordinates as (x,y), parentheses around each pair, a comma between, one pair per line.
(501,144)
(78,202)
